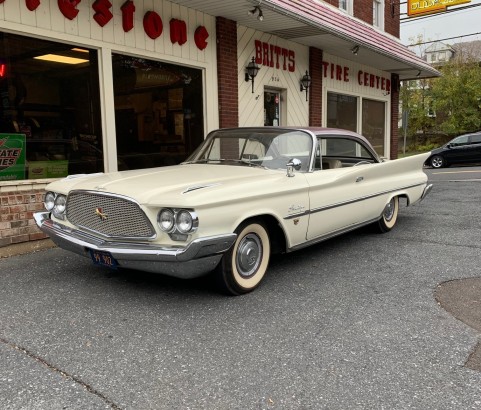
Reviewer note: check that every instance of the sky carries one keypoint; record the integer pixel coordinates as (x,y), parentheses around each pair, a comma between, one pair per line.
(443,25)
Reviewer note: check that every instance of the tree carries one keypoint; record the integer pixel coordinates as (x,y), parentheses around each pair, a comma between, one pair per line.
(457,94)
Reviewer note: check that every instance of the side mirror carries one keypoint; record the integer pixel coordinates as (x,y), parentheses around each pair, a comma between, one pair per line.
(293,164)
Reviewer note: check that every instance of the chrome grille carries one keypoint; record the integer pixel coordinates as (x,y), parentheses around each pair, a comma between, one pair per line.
(108,215)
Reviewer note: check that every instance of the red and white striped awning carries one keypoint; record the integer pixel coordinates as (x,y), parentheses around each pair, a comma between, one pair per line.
(318,24)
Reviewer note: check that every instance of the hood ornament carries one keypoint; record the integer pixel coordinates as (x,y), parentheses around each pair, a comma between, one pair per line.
(100,214)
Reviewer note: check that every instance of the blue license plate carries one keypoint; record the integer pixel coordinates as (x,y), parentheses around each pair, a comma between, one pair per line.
(103,259)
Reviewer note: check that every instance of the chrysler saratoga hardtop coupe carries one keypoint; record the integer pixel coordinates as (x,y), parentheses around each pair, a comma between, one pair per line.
(244,194)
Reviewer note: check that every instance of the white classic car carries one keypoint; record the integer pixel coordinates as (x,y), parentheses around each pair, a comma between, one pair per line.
(243,194)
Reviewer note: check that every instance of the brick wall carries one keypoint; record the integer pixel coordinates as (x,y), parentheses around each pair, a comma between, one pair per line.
(362,9)
(394,116)
(17,205)
(391,18)
(227,83)
(315,91)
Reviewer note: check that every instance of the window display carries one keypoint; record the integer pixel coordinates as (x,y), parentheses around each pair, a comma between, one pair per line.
(49,109)
(158,111)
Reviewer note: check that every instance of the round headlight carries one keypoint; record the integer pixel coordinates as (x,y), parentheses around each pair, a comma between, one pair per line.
(49,201)
(166,220)
(60,203)
(184,222)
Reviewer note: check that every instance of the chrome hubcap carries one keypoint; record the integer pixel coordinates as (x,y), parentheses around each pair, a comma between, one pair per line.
(249,255)
(389,210)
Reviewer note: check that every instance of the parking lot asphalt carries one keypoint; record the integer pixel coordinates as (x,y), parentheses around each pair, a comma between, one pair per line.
(363,321)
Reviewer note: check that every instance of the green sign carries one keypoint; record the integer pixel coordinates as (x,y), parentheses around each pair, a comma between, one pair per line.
(12,157)
(47,169)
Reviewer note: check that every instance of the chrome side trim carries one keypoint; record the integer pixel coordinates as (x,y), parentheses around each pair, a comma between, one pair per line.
(331,235)
(351,201)
(196,187)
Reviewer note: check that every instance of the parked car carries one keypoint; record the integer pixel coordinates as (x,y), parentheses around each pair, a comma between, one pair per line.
(244,194)
(465,149)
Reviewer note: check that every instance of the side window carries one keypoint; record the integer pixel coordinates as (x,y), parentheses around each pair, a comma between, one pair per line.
(463,140)
(476,139)
(338,152)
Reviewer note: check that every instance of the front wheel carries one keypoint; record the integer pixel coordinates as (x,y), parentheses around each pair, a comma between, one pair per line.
(437,161)
(245,264)
(389,215)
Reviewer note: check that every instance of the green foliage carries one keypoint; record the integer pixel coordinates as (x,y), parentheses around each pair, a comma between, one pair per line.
(455,98)
(457,95)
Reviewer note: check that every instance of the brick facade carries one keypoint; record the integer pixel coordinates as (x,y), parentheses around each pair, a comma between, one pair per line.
(394,116)
(315,91)
(226,31)
(17,205)
(363,10)
(391,18)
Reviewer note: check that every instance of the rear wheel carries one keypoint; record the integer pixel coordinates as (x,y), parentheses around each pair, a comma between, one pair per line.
(245,264)
(437,161)
(389,215)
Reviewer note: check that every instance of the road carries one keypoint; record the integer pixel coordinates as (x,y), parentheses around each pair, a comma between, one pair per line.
(348,324)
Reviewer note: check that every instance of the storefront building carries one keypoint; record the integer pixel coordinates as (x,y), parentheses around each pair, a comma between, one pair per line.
(99,86)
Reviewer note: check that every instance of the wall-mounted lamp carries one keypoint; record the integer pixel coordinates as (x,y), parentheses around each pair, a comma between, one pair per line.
(355,50)
(306,83)
(252,70)
(256,9)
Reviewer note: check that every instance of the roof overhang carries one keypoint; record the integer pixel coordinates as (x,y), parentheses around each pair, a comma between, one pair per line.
(317,24)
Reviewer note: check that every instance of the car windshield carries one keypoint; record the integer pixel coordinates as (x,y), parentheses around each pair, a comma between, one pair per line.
(268,148)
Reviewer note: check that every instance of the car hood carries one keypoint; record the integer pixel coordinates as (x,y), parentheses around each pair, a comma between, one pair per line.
(174,185)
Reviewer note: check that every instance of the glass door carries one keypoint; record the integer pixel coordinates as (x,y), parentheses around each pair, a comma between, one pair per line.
(272,108)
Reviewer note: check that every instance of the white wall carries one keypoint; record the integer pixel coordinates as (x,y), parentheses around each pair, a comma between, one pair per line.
(251,106)
(49,23)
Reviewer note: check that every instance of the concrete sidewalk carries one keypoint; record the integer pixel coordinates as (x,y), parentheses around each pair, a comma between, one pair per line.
(25,247)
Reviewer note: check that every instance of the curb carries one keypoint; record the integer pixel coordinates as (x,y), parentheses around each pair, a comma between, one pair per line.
(26,247)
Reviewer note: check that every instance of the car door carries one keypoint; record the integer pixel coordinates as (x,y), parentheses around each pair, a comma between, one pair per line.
(476,147)
(341,197)
(459,150)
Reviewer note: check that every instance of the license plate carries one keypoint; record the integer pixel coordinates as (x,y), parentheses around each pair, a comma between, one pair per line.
(103,259)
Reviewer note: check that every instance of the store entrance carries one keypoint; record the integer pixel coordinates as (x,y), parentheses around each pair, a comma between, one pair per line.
(272,108)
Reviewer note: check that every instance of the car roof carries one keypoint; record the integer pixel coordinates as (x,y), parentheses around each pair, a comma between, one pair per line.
(331,132)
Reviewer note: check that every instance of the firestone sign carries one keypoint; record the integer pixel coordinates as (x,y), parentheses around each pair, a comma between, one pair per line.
(417,7)
(152,21)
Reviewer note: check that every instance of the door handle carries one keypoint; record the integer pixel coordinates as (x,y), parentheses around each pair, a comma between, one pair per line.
(359,179)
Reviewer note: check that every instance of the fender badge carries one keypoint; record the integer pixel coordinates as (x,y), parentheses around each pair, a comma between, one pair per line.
(100,214)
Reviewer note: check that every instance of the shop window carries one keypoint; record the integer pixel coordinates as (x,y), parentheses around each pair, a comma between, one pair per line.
(346,6)
(158,111)
(49,109)
(342,111)
(374,123)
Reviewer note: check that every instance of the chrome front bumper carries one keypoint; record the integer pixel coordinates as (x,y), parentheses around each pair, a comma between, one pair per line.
(196,259)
